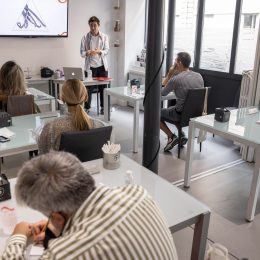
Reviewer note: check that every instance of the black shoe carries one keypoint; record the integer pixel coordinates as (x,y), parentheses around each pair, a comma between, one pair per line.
(102,111)
(184,140)
(171,143)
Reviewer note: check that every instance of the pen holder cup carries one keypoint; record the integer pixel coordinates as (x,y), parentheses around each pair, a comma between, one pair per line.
(111,161)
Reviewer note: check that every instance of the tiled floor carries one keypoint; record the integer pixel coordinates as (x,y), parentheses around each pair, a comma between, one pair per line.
(225,192)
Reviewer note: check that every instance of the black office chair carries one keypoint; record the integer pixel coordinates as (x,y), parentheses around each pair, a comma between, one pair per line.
(193,107)
(86,145)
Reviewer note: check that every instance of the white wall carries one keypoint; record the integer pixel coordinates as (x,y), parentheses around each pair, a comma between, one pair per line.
(58,52)
(134,32)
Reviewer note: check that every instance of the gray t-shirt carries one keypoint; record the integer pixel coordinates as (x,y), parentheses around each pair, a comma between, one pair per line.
(180,84)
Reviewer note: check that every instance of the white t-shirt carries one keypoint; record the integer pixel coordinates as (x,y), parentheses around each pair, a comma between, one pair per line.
(95,61)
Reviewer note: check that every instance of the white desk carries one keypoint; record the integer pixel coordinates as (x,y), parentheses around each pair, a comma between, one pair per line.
(241,128)
(38,80)
(57,84)
(124,93)
(41,98)
(23,141)
(180,209)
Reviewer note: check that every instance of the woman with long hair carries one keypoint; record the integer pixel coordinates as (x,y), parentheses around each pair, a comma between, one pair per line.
(74,94)
(12,79)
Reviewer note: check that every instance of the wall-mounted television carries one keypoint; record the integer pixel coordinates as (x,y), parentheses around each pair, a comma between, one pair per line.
(34,18)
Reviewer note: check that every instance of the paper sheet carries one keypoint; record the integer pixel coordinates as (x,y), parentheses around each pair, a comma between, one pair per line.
(6,132)
(36,250)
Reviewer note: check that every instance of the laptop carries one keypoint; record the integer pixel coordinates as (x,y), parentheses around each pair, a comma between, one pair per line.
(73,73)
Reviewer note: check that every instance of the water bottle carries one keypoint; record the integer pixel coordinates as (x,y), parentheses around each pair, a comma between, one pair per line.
(129,178)
(89,74)
(129,84)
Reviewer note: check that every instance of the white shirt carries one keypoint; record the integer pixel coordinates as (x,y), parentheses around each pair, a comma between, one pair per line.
(95,61)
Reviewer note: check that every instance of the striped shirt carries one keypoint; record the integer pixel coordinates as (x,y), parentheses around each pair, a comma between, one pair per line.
(118,223)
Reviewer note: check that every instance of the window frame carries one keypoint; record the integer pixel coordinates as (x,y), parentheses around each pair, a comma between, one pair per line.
(198,40)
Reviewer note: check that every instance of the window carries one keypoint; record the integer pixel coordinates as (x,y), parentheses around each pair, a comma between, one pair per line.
(217,35)
(247,36)
(216,24)
(249,20)
(185,27)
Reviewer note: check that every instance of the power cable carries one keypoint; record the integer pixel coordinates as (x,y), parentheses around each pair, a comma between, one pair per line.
(145,95)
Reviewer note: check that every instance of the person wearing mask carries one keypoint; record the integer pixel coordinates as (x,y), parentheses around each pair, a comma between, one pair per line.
(179,79)
(74,95)
(86,221)
(94,49)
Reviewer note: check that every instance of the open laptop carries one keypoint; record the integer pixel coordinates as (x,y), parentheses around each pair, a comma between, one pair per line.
(73,73)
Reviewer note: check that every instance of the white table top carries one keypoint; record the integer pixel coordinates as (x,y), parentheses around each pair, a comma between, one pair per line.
(86,81)
(126,93)
(177,205)
(37,79)
(23,140)
(240,125)
(39,95)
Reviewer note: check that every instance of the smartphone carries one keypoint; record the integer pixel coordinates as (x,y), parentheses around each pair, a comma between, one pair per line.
(4,139)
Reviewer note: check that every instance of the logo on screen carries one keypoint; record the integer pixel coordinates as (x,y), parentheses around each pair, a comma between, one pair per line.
(30,19)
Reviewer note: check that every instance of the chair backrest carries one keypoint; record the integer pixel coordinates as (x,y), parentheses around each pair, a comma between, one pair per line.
(193,105)
(20,105)
(86,145)
(3,102)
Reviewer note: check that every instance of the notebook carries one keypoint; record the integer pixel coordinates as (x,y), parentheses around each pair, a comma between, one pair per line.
(73,73)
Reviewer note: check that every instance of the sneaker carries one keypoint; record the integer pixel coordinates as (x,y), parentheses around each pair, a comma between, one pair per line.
(171,143)
(102,111)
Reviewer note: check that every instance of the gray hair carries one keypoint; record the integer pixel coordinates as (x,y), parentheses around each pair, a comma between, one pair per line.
(54,182)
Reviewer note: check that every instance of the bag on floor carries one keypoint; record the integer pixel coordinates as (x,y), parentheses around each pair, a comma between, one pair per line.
(216,252)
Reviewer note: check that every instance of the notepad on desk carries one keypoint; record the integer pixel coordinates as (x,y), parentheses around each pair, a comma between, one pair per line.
(6,132)
(36,250)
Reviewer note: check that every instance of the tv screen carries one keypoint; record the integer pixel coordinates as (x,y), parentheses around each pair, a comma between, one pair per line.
(34,18)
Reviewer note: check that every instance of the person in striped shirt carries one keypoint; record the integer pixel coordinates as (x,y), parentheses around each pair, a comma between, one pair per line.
(86,221)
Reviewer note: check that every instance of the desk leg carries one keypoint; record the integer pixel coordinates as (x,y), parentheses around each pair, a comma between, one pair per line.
(136,126)
(200,237)
(56,85)
(50,87)
(106,106)
(53,105)
(252,200)
(189,156)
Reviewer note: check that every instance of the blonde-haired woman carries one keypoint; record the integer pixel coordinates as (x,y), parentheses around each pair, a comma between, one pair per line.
(12,79)
(74,94)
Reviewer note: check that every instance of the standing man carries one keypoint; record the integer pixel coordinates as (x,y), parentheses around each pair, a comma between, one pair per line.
(179,79)
(94,48)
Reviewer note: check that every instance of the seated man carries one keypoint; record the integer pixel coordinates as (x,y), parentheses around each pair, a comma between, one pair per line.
(85,221)
(179,79)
